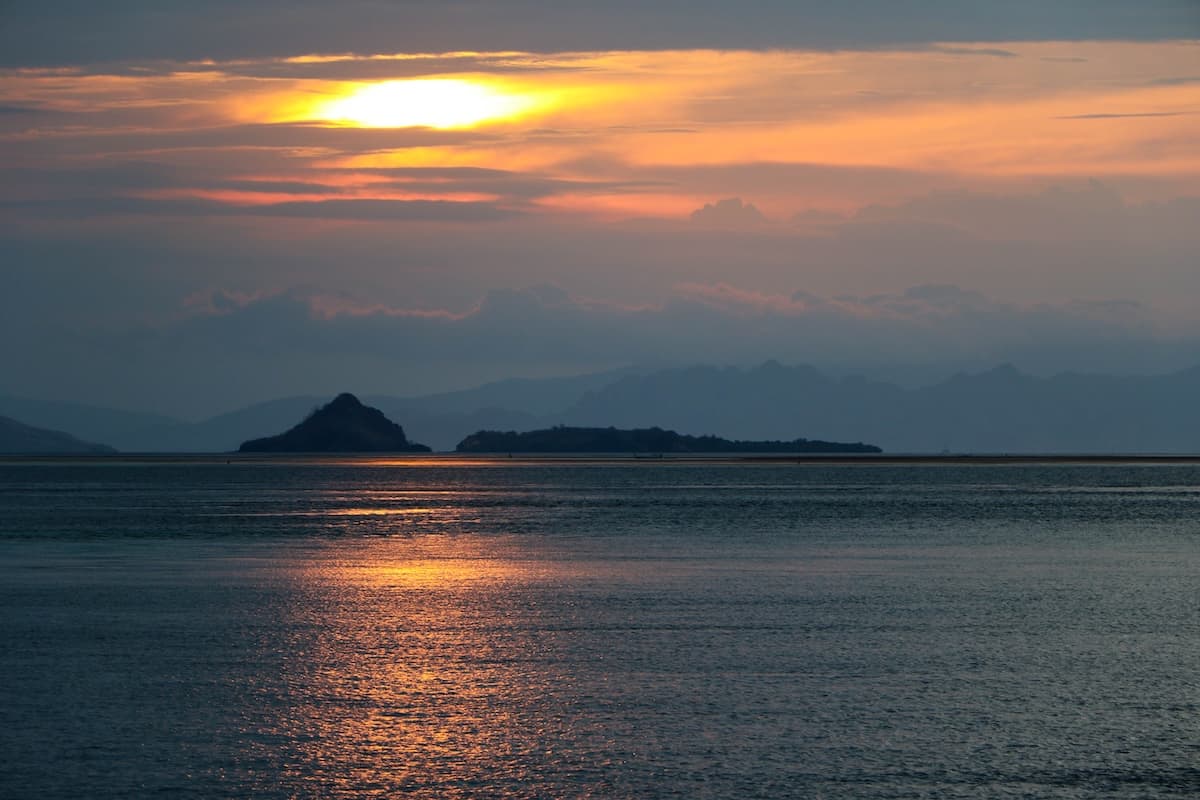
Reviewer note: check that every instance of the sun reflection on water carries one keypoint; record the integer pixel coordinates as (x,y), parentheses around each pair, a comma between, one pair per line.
(423,675)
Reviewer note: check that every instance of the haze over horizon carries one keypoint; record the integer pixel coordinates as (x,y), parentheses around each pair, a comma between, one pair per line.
(211,204)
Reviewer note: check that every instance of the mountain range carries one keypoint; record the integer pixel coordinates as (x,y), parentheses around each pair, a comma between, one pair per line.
(1002,410)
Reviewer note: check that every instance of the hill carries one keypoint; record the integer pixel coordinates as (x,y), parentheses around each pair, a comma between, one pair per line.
(125,430)
(643,440)
(17,437)
(342,426)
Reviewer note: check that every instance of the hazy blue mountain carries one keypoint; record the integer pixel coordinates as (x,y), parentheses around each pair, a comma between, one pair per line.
(224,432)
(441,419)
(1004,410)
(1001,410)
(90,423)
(17,437)
(443,431)
(344,425)
(770,401)
(531,396)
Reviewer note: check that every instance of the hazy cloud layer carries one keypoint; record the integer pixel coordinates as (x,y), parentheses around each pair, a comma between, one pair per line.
(226,348)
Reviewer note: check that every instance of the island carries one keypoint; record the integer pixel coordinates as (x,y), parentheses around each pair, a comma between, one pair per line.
(563,439)
(344,425)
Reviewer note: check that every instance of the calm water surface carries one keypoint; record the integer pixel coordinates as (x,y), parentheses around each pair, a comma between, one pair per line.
(580,629)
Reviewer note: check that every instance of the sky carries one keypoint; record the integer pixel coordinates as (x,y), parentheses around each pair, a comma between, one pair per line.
(211,204)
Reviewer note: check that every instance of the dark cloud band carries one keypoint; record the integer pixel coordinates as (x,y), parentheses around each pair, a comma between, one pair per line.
(77,32)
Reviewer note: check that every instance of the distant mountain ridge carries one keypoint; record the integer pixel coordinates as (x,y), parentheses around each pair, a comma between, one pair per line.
(1001,410)
(344,425)
(19,438)
(441,419)
(565,439)
(117,427)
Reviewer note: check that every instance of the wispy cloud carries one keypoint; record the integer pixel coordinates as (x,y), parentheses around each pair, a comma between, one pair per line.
(1128,115)
(992,52)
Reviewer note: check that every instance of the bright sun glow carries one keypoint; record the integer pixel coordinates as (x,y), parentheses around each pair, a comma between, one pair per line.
(435,103)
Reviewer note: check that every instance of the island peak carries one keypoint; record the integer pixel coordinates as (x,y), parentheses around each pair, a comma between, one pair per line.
(343,425)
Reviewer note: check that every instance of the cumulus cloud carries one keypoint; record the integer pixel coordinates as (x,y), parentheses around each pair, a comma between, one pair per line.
(728,213)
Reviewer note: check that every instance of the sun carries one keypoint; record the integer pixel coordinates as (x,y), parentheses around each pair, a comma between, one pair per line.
(427,103)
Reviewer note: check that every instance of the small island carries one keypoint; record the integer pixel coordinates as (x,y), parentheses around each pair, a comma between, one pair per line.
(564,439)
(344,425)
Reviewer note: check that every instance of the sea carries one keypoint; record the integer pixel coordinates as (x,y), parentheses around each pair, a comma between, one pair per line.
(598,628)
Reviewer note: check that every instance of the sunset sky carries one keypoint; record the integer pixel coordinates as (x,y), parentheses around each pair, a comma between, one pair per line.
(209,204)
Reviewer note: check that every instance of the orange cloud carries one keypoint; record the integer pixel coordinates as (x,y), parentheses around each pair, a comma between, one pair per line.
(1020,111)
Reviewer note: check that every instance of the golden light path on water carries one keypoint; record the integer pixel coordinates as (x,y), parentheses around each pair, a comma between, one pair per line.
(430,676)
(432,661)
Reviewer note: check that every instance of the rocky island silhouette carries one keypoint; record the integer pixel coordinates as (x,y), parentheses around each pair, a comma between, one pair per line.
(343,425)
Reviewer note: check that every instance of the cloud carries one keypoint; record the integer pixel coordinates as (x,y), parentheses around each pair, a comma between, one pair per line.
(526,330)
(154,188)
(728,213)
(732,300)
(505,183)
(1178,80)
(75,139)
(1130,115)
(326,67)
(691,125)
(837,184)
(1082,211)
(382,210)
(79,32)
(991,52)
(346,210)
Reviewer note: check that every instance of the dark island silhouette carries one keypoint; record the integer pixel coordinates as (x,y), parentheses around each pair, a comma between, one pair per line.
(563,439)
(19,438)
(342,426)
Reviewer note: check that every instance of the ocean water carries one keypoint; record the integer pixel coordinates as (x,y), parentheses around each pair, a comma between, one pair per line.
(443,628)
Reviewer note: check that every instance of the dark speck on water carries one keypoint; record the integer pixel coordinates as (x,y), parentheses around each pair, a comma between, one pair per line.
(512,628)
